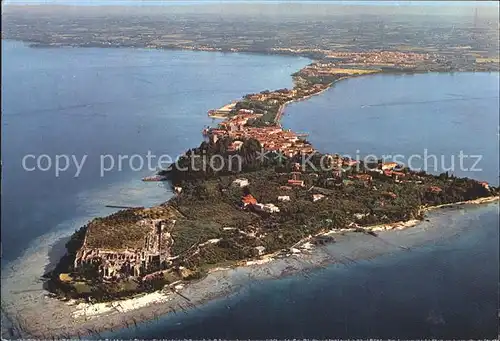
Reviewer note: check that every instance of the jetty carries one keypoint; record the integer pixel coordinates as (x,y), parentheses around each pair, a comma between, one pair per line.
(223,111)
(123,207)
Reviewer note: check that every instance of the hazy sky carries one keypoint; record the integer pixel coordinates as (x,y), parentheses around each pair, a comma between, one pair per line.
(267,9)
(191,2)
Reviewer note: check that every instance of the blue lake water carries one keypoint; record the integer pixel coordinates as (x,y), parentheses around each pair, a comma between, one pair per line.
(124,101)
(107,102)
(423,116)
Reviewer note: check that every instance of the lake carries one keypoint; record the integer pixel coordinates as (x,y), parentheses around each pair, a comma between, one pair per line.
(113,102)
(123,101)
(422,115)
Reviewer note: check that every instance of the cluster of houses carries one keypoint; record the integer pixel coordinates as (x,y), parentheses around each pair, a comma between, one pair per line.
(272,138)
(248,201)
(381,57)
(369,57)
(273,97)
(238,121)
(285,95)
(389,169)
(338,169)
(346,62)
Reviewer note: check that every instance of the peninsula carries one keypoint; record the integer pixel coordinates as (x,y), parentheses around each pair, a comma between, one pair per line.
(270,194)
(282,196)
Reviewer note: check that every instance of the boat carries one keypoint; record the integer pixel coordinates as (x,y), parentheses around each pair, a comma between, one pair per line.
(155,178)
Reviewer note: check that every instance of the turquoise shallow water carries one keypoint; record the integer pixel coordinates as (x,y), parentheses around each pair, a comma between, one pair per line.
(94,101)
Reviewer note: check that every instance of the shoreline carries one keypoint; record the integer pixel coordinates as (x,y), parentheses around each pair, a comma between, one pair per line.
(282,107)
(478,201)
(293,54)
(281,110)
(86,319)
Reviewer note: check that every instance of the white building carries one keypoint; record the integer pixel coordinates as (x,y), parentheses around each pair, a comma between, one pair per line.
(269,208)
(236,145)
(317,197)
(284,198)
(241,182)
(260,250)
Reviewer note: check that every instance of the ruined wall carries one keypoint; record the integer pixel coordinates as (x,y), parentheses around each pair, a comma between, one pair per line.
(153,255)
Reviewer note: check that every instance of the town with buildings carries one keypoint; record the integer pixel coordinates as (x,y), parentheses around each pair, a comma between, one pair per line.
(272,138)
(257,116)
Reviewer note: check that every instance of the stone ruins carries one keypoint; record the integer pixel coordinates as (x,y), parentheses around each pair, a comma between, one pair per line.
(154,254)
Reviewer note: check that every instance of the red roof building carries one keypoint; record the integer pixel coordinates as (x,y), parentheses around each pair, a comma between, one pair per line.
(248,200)
(363,177)
(350,162)
(296,182)
(484,184)
(389,165)
(435,189)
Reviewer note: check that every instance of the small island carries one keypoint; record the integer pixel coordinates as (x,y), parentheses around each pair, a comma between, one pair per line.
(270,194)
